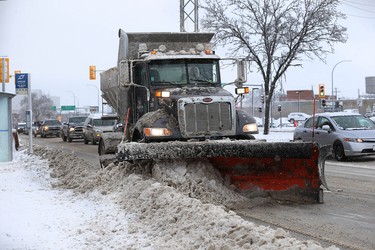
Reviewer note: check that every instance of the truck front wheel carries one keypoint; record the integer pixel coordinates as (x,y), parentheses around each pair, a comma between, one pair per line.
(85,140)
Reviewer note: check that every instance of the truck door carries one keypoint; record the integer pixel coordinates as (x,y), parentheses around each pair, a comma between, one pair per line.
(140,103)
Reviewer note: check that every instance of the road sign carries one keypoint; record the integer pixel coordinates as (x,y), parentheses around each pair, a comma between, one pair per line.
(72,107)
(22,84)
(53,108)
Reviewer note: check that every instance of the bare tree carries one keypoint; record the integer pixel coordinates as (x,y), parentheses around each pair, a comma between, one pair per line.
(275,34)
(41,107)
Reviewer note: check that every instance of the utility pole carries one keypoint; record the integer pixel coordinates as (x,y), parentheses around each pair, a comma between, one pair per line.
(189,14)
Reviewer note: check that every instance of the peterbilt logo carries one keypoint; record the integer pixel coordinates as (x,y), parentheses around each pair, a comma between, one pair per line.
(207,99)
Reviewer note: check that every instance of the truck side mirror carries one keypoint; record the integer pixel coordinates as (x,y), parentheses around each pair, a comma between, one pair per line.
(241,73)
(124,72)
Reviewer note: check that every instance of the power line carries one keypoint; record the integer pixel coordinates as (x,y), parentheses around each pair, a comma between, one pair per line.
(366,17)
(363,4)
(358,8)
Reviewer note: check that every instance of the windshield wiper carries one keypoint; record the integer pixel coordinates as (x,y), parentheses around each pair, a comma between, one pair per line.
(166,82)
(202,81)
(361,128)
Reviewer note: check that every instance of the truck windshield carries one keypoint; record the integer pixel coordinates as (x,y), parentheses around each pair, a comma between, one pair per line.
(100,122)
(184,72)
(77,119)
(51,122)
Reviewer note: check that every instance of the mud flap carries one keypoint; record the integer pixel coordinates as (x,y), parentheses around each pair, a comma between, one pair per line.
(284,170)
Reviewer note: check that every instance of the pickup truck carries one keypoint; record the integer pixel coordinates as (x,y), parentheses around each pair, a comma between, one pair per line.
(73,128)
(50,127)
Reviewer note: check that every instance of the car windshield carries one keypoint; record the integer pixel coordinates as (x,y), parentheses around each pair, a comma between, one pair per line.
(353,122)
(100,122)
(184,72)
(77,119)
(52,122)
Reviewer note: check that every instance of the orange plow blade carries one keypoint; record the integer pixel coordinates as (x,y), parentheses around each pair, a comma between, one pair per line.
(292,171)
(284,179)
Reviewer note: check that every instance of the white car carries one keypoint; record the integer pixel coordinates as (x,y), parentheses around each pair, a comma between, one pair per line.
(348,134)
(297,116)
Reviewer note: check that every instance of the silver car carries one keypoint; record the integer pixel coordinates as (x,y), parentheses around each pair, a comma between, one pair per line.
(349,134)
(97,124)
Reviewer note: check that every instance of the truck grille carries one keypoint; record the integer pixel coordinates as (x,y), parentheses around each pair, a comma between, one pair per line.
(54,128)
(78,129)
(206,119)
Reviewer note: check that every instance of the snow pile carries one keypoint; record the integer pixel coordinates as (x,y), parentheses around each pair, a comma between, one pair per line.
(166,206)
(32,216)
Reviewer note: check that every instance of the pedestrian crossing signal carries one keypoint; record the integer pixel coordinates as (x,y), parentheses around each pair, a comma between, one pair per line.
(324,103)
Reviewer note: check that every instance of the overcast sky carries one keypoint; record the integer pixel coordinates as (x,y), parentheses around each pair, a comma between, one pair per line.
(56,41)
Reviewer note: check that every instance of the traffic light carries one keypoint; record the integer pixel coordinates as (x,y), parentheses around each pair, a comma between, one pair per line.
(262,98)
(322,91)
(6,70)
(324,102)
(92,72)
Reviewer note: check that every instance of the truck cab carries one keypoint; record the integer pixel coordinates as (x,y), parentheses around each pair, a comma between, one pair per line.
(171,90)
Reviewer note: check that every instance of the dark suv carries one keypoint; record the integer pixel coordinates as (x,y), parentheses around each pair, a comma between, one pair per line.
(50,127)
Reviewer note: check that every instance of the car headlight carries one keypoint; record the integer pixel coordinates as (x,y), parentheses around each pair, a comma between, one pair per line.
(157,132)
(359,140)
(251,127)
(45,128)
(71,130)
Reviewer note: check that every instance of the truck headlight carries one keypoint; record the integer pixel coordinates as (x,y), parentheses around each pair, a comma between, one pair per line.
(251,127)
(164,94)
(157,132)
(71,130)
(45,128)
(98,132)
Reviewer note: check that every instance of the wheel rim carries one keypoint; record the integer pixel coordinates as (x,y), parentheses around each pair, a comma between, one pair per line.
(339,152)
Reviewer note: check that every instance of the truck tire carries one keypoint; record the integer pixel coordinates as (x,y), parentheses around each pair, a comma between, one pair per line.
(70,139)
(85,140)
(101,147)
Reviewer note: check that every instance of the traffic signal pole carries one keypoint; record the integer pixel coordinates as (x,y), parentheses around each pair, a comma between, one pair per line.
(3,73)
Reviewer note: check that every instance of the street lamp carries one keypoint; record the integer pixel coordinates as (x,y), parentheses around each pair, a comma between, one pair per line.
(74,97)
(98,93)
(332,75)
(75,110)
(298,93)
(252,99)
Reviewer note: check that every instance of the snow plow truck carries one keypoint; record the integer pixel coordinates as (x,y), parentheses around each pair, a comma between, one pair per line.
(168,94)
